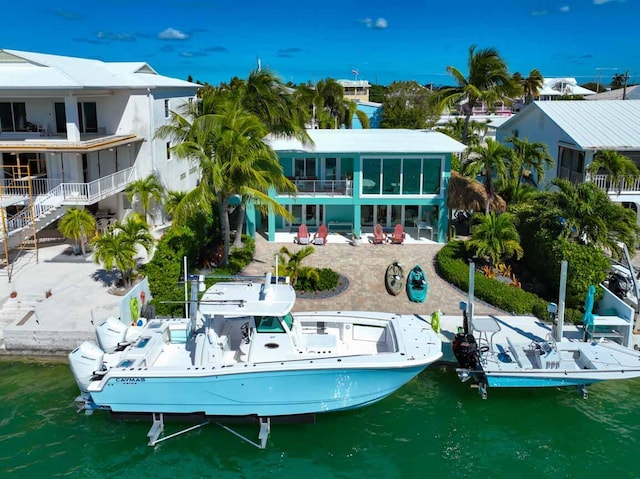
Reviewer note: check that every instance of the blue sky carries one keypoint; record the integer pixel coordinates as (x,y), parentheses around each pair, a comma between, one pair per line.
(214,40)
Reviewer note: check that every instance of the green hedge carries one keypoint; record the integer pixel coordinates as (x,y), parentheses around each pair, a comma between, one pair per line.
(451,265)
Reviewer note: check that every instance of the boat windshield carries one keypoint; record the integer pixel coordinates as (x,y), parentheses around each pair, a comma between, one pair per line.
(271,324)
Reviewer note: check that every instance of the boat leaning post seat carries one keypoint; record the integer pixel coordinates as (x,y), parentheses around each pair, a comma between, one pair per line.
(484,326)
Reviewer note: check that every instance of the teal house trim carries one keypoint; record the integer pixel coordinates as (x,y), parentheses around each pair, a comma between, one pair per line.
(352,179)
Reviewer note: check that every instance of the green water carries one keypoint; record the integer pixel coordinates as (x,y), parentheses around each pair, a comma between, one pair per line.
(433,427)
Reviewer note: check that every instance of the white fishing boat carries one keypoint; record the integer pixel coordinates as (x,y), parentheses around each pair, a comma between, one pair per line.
(544,363)
(243,352)
(550,362)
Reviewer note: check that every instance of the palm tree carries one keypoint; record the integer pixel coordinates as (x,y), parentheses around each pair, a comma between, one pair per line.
(619,167)
(528,157)
(531,85)
(618,81)
(495,236)
(136,231)
(589,216)
(487,160)
(172,200)
(455,128)
(145,189)
(233,159)
(113,249)
(292,265)
(487,81)
(77,224)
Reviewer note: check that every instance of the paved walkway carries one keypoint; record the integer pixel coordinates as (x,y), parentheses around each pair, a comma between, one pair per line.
(365,266)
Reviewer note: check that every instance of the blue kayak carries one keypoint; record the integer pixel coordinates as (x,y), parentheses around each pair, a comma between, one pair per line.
(417,286)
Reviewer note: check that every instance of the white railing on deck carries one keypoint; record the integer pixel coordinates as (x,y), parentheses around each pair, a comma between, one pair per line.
(604,182)
(69,193)
(324,187)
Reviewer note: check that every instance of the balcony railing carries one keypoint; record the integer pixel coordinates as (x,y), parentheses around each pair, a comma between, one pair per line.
(65,193)
(324,187)
(606,183)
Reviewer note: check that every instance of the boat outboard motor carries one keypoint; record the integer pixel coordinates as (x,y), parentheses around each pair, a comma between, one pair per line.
(619,285)
(465,350)
(110,334)
(84,361)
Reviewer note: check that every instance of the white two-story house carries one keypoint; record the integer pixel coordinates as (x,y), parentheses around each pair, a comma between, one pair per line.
(574,131)
(76,132)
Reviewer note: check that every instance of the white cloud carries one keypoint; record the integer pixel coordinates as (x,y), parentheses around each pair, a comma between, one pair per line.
(172,34)
(538,13)
(602,2)
(381,23)
(565,9)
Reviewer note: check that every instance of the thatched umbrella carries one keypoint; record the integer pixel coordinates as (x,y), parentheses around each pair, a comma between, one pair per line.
(468,194)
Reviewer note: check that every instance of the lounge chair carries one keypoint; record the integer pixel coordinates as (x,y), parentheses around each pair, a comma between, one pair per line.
(379,236)
(320,237)
(303,236)
(398,234)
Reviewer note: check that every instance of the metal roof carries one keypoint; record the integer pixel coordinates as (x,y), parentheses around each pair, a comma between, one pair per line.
(633,93)
(371,141)
(27,70)
(592,125)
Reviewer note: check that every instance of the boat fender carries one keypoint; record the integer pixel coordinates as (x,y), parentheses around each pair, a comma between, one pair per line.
(435,320)
(141,321)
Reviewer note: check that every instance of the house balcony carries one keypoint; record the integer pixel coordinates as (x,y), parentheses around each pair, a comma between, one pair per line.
(315,187)
(48,194)
(606,183)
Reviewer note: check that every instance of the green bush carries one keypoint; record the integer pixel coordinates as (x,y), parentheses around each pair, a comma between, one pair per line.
(452,265)
(327,279)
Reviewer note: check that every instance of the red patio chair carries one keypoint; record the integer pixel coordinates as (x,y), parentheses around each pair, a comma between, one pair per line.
(379,236)
(303,236)
(398,234)
(320,237)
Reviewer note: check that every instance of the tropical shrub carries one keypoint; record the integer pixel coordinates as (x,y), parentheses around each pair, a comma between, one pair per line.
(452,265)
(327,279)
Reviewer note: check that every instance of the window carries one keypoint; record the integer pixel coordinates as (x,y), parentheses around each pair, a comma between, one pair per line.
(13,116)
(411,170)
(391,168)
(304,167)
(571,165)
(431,177)
(330,169)
(408,176)
(87,117)
(371,176)
(168,150)
(166,109)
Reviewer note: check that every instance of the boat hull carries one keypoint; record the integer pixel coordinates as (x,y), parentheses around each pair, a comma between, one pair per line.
(252,393)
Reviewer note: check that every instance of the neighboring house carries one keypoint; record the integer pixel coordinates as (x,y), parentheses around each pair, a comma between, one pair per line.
(574,131)
(85,129)
(350,179)
(556,88)
(373,111)
(357,90)
(629,93)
